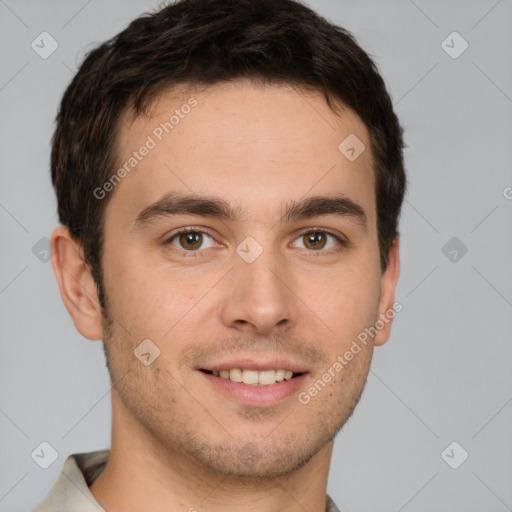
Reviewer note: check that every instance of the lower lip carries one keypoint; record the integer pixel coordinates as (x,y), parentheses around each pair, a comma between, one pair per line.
(257,395)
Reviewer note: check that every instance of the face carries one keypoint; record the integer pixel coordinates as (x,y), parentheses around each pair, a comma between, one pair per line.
(242,244)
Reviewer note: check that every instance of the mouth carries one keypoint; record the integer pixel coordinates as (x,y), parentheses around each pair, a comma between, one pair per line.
(252,377)
(256,383)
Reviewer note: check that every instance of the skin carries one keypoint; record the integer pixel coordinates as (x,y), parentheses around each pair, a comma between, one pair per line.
(177,442)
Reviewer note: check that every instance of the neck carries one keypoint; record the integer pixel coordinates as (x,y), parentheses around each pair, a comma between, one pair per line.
(142,475)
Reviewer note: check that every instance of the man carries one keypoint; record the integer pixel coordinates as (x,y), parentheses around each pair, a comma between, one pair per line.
(229,177)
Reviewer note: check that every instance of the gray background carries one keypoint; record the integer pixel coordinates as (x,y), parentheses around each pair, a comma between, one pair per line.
(445,374)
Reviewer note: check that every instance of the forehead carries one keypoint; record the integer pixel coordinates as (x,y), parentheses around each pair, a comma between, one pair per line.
(258,145)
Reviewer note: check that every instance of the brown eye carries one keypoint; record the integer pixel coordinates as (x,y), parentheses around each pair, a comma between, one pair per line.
(320,241)
(315,240)
(191,240)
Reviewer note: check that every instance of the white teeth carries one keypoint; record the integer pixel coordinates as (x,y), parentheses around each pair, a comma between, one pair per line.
(254,377)
(250,377)
(236,375)
(267,377)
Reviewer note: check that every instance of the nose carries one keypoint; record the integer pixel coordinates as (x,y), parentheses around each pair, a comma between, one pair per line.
(259,296)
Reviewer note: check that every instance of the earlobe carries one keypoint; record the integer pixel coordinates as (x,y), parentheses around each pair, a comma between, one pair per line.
(389,280)
(76,284)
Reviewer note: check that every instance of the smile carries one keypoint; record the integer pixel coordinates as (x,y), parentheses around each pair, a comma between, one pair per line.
(254,377)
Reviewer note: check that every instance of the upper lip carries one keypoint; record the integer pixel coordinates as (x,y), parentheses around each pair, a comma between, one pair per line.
(275,363)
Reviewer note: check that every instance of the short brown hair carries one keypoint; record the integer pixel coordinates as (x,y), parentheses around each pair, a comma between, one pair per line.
(204,42)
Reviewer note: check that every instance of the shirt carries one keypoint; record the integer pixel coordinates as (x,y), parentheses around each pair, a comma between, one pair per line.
(71,490)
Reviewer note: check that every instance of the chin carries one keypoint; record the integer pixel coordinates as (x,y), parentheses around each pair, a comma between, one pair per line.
(264,460)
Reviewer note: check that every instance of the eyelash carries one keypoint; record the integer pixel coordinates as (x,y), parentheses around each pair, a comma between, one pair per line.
(200,252)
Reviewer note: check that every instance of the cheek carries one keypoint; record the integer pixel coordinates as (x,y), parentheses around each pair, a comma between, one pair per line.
(345,301)
(140,295)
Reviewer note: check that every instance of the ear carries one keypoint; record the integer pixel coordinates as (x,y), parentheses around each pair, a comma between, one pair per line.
(76,284)
(389,280)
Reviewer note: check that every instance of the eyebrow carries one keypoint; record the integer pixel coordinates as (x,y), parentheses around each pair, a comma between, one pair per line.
(214,207)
